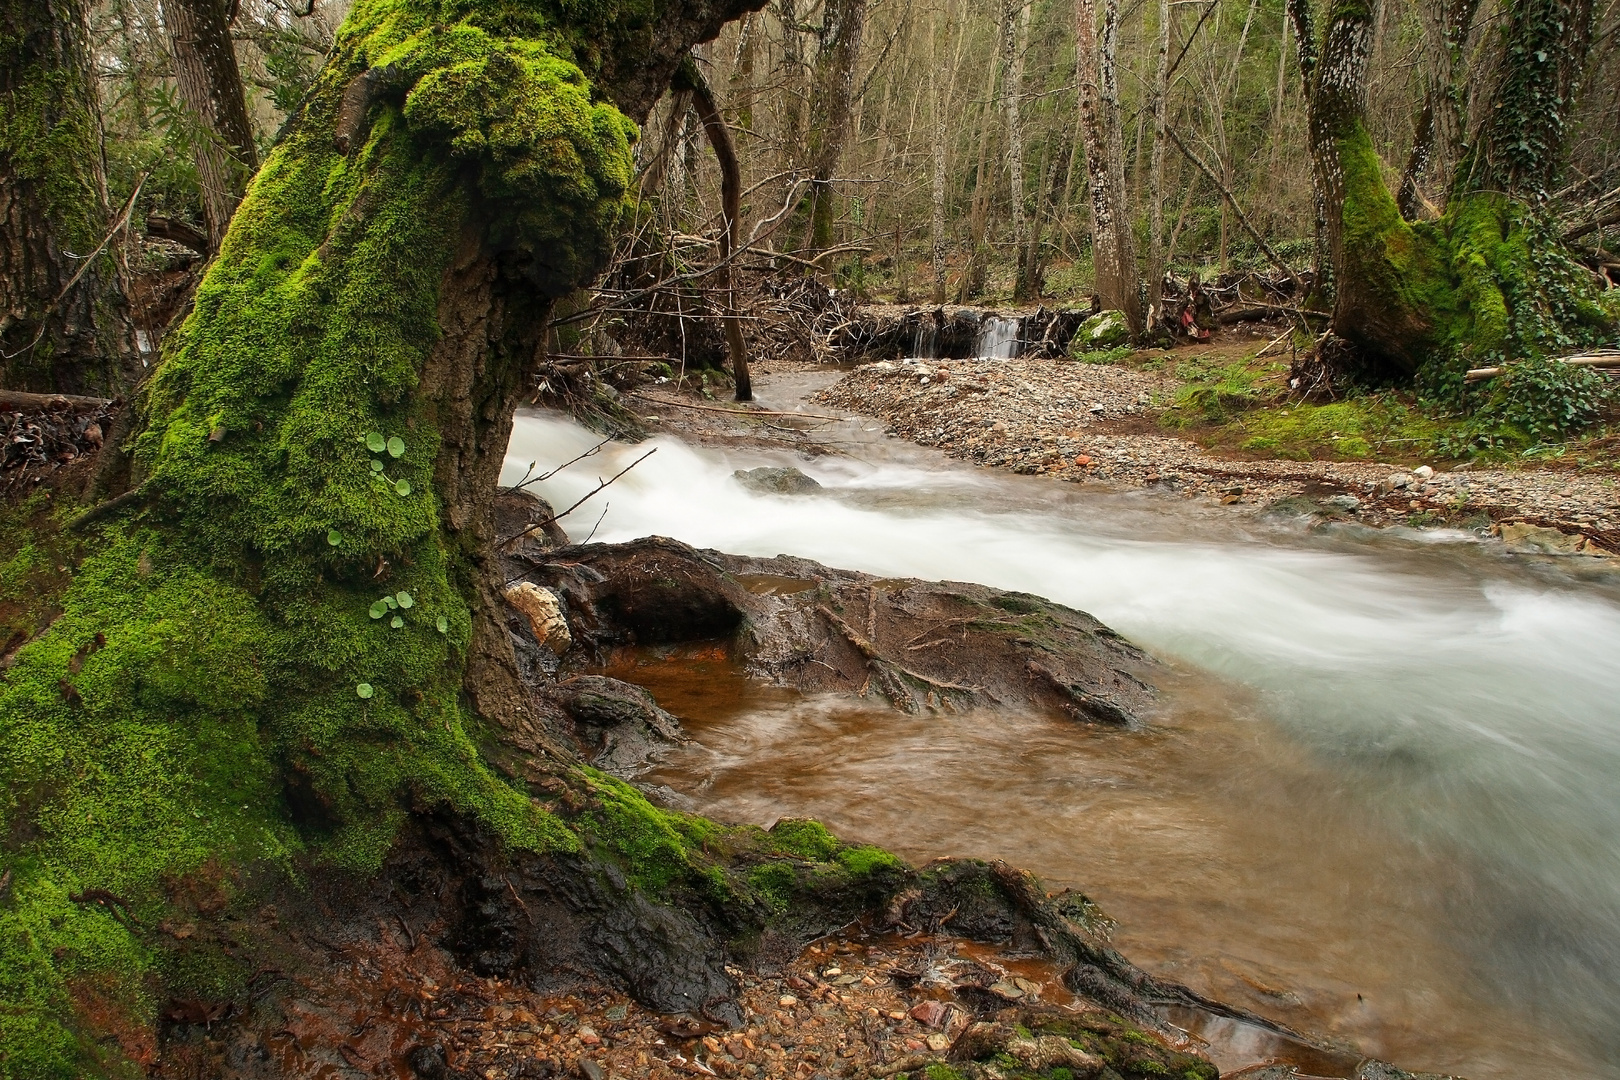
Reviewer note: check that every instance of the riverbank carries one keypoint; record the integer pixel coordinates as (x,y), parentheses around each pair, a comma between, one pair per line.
(1103,424)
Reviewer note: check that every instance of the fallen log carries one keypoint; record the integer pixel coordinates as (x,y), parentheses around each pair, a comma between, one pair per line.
(1602,358)
(18,401)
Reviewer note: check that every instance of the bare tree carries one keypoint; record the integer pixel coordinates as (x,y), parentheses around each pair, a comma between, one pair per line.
(1114,249)
(211,87)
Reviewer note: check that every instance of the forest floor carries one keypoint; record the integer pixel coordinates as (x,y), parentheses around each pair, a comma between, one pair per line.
(1196,422)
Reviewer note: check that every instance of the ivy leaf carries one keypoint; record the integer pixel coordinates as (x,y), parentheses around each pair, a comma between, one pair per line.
(364,690)
(402,486)
(444,625)
(375,442)
(379,609)
(396,446)
(334,537)
(406,600)
(396,622)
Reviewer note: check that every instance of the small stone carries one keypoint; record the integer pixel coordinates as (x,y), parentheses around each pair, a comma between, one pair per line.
(1347,503)
(618,1012)
(938,1042)
(1423,472)
(1005,989)
(931,1013)
(590,1070)
(787,1000)
(832,972)
(588,1036)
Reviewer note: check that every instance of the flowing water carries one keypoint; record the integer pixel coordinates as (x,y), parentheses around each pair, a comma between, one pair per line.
(998,337)
(1382,799)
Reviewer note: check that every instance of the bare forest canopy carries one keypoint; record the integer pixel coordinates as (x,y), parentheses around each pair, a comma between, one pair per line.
(931,72)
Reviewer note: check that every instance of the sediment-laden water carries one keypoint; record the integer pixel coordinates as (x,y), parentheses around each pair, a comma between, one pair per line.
(1382,801)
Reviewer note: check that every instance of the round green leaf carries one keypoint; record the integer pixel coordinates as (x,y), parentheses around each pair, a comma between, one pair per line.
(379,609)
(406,600)
(396,622)
(396,446)
(334,537)
(375,442)
(402,486)
(444,625)
(364,690)
(390,602)
(376,466)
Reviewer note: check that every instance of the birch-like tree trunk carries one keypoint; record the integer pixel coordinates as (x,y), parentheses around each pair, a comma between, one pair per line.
(979,215)
(937,124)
(1113,249)
(211,87)
(1161,93)
(1013,32)
(832,97)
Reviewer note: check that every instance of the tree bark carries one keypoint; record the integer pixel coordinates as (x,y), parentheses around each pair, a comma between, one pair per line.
(1113,247)
(211,87)
(832,97)
(64,322)
(1160,103)
(936,109)
(1013,38)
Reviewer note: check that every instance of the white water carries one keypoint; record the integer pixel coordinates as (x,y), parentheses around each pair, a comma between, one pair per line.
(998,338)
(1443,692)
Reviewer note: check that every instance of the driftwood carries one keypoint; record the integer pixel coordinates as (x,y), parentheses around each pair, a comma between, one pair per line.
(1601,358)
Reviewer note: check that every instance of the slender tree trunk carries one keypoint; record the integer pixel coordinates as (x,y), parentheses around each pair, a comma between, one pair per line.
(742,72)
(1437,143)
(1113,251)
(211,87)
(1161,93)
(64,323)
(979,214)
(832,88)
(937,127)
(1012,91)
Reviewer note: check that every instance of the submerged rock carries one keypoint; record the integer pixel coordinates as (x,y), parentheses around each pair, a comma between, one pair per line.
(777,481)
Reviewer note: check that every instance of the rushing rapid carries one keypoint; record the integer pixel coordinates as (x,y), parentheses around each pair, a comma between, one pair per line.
(1383,801)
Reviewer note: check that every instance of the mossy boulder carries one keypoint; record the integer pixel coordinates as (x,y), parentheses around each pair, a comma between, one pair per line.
(1102,331)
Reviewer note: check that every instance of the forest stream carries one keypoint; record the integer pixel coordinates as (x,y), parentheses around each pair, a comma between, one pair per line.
(1379,802)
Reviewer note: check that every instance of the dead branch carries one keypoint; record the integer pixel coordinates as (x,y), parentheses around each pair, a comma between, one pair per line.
(19,401)
(1231,200)
(1600,358)
(600,484)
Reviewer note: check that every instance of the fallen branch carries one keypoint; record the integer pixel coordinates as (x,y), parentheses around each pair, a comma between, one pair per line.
(19,401)
(870,651)
(600,484)
(1602,358)
(1231,200)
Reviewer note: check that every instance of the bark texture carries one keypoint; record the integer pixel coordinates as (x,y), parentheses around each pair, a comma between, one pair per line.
(1113,248)
(1014,23)
(832,99)
(64,324)
(211,86)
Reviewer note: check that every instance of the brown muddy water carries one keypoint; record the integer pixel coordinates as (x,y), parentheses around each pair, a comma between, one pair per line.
(1381,802)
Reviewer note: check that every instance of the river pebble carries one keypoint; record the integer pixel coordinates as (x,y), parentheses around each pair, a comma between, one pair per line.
(1095,423)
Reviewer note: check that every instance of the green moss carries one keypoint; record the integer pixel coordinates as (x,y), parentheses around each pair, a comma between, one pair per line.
(866,861)
(803,838)
(208,655)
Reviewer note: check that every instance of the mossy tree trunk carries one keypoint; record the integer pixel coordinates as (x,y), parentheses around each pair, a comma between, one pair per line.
(1478,280)
(64,323)
(286,639)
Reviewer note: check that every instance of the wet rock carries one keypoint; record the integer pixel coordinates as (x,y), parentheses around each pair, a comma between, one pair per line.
(921,645)
(427,1062)
(524,525)
(620,724)
(777,481)
(1348,503)
(590,1070)
(544,611)
(1525,539)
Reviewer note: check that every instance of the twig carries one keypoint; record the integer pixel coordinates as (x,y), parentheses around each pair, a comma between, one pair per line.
(16,399)
(598,524)
(526,481)
(600,484)
(101,510)
(84,267)
(1276,260)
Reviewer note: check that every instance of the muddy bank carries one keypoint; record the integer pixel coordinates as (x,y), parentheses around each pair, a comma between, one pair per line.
(1095,423)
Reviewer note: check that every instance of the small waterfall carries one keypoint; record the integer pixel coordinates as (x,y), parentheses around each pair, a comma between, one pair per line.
(998,338)
(925,340)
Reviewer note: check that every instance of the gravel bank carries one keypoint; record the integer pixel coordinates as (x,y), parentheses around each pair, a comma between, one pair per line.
(1094,423)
